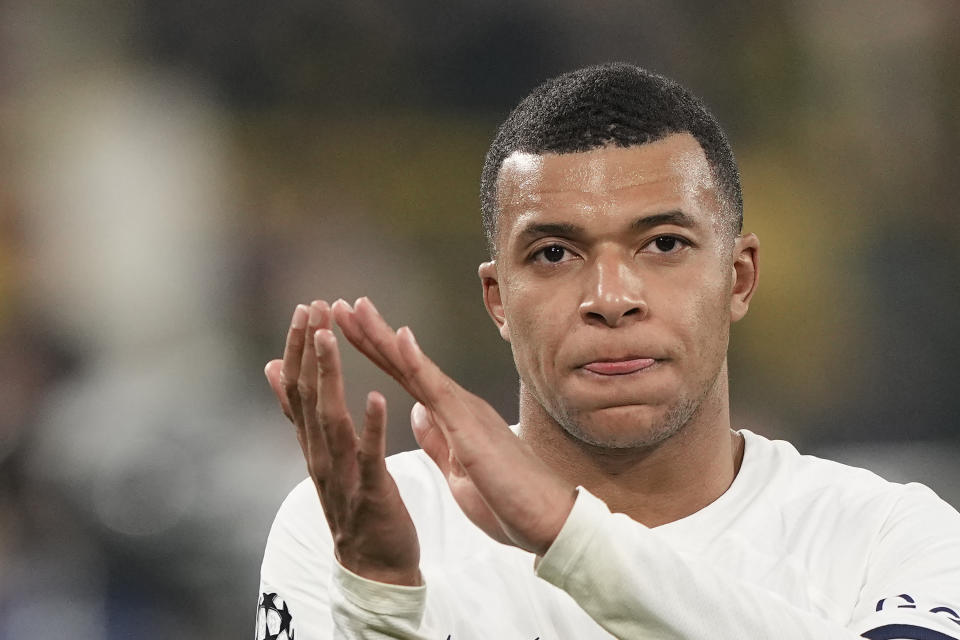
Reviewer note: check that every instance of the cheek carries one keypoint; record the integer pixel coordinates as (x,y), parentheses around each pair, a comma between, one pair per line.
(536,328)
(701,313)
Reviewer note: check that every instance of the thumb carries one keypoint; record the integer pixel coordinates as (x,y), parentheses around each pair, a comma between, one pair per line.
(274,378)
(429,436)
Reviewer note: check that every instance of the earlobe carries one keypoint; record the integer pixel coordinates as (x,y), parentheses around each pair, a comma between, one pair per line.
(746,274)
(491,297)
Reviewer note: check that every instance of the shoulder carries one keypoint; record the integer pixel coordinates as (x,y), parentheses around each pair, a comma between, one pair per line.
(797,475)
(807,487)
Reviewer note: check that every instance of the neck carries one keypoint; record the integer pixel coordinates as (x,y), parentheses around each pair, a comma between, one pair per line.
(653,484)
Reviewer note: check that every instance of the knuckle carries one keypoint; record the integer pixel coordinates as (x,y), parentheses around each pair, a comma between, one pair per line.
(305,389)
(340,448)
(415,369)
(367,458)
(336,418)
(446,388)
(410,375)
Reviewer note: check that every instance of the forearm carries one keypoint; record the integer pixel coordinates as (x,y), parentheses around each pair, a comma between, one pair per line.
(634,585)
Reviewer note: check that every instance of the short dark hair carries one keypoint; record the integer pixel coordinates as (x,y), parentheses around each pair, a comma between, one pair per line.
(615,103)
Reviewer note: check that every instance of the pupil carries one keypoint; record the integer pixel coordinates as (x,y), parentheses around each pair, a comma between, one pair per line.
(553,254)
(665,243)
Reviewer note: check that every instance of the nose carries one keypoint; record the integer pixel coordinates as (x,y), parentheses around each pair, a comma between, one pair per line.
(613,293)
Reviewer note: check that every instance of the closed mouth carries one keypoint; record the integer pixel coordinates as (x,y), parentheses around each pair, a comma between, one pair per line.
(620,367)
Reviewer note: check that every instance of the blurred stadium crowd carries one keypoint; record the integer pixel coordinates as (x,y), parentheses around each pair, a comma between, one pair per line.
(177,175)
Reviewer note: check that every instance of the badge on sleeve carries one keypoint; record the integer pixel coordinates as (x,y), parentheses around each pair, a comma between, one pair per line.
(274,620)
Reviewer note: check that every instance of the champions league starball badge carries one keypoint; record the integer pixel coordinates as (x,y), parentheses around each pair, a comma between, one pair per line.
(273,619)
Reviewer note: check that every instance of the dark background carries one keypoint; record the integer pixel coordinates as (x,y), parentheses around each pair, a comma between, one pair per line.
(175,176)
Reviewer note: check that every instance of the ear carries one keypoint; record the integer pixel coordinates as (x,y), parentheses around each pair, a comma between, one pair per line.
(746,274)
(491,297)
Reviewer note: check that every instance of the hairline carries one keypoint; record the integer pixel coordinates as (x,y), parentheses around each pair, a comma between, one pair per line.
(726,217)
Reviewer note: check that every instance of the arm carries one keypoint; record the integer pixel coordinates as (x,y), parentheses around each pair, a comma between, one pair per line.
(611,564)
(301,576)
(618,572)
(371,533)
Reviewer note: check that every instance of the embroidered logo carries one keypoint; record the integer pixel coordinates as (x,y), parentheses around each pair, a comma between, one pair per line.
(274,619)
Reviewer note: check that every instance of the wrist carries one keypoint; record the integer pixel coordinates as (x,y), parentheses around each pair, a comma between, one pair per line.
(560,510)
(565,501)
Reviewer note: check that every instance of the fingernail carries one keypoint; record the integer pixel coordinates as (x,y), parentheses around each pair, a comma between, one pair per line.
(418,414)
(266,368)
(413,338)
(299,317)
(315,314)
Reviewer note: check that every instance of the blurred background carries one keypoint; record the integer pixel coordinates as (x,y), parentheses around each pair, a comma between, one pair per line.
(175,176)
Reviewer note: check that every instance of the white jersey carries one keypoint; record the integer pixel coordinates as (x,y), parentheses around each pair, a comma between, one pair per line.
(797,547)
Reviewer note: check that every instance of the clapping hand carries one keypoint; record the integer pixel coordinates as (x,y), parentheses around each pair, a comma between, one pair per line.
(372,532)
(500,484)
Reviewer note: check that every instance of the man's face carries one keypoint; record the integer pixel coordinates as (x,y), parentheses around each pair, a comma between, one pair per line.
(613,283)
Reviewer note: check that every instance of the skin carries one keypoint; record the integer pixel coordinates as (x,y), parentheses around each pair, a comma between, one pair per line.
(628,282)
(646,266)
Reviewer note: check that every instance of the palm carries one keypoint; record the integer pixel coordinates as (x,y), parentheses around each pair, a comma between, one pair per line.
(372,531)
(431,437)
(496,479)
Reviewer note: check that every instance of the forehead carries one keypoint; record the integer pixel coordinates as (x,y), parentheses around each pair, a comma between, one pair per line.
(671,174)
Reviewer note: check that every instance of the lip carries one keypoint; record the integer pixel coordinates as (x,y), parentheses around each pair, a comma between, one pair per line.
(621,367)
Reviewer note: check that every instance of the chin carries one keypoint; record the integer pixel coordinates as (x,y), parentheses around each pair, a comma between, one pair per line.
(628,427)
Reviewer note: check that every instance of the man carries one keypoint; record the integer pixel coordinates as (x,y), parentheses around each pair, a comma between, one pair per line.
(622,503)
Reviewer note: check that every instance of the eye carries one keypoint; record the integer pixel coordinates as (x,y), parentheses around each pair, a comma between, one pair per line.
(667,244)
(553,254)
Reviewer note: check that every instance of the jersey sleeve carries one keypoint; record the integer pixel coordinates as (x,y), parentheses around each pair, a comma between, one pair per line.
(296,571)
(307,594)
(634,585)
(368,610)
(912,591)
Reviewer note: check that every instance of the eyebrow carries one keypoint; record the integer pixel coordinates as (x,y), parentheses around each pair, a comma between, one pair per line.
(675,217)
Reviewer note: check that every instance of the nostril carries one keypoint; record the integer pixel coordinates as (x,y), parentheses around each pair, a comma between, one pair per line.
(632,311)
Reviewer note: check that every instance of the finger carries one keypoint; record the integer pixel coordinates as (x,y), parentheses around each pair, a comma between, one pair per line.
(424,380)
(373,442)
(273,373)
(334,418)
(347,320)
(430,384)
(430,437)
(319,318)
(379,341)
(469,425)
(292,354)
